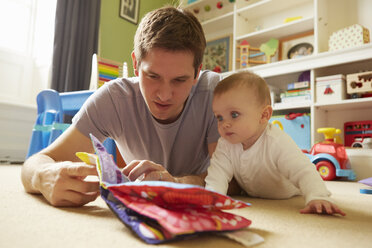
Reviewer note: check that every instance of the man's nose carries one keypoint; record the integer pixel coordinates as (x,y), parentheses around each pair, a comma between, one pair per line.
(165,92)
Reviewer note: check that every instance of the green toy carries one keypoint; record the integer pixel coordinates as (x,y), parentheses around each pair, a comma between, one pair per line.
(269,48)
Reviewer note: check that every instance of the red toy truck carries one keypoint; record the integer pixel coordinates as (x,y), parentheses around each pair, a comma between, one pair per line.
(330,157)
(357,133)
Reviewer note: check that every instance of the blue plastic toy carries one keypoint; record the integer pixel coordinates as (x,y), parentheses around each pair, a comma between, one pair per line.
(51,107)
(367,181)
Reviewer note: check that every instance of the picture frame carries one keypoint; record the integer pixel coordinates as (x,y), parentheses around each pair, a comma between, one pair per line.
(129,10)
(217,54)
(296,46)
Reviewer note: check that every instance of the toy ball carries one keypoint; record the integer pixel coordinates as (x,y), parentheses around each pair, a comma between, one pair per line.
(207,8)
(219,5)
(196,10)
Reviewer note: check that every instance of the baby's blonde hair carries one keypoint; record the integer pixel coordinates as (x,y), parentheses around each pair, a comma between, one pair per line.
(249,80)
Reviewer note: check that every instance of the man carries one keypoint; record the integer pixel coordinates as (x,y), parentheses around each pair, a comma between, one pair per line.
(162,120)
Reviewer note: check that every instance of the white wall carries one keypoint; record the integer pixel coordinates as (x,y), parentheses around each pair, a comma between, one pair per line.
(16,122)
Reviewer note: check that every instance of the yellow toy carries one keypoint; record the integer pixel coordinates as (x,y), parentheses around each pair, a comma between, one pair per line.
(330,134)
(291,19)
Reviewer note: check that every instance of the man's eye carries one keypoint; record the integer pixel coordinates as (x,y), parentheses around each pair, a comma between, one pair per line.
(179,80)
(234,114)
(219,118)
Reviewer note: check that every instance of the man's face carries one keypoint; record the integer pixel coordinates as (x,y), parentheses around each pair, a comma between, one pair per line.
(166,78)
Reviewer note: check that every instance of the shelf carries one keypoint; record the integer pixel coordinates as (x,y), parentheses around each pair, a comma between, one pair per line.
(266,7)
(223,22)
(349,104)
(279,31)
(257,21)
(293,105)
(220,19)
(257,6)
(314,61)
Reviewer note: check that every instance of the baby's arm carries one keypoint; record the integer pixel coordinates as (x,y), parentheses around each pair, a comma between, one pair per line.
(302,173)
(220,171)
(321,207)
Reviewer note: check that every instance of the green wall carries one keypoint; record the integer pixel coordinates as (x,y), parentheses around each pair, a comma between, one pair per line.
(116,33)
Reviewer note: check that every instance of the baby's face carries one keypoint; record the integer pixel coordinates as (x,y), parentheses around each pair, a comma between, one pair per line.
(239,116)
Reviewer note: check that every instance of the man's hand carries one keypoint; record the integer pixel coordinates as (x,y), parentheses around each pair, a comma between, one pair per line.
(147,171)
(321,207)
(62,184)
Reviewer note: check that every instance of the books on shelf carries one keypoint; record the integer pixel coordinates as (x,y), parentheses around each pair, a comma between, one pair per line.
(303,98)
(298,85)
(296,92)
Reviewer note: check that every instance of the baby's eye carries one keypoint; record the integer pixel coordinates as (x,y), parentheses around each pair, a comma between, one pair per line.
(234,114)
(219,118)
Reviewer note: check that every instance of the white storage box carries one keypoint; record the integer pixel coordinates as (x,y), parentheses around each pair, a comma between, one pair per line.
(330,88)
(352,36)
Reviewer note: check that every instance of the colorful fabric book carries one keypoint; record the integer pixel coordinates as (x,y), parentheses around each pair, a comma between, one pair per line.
(160,211)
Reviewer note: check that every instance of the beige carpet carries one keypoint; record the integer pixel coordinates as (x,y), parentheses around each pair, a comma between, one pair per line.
(28,221)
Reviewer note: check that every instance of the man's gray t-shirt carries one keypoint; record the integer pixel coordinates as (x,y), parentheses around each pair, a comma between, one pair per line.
(118,110)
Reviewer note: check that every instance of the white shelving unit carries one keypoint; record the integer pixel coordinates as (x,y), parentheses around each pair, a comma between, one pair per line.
(259,20)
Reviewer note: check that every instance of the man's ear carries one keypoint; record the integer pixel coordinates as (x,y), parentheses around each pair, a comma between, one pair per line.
(267,111)
(199,69)
(134,61)
(197,74)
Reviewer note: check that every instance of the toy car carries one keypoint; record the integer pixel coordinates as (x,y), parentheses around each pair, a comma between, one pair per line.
(358,134)
(330,157)
(362,143)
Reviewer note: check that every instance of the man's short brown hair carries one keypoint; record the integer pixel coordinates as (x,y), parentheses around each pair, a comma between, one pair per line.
(173,29)
(248,80)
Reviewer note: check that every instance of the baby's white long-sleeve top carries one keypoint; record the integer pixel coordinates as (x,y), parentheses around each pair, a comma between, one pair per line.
(274,167)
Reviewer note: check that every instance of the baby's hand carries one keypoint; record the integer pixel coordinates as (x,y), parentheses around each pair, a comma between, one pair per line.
(321,207)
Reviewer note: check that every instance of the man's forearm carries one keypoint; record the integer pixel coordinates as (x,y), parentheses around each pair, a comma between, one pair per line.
(30,171)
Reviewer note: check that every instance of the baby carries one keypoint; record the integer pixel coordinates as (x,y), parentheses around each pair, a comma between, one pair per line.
(264,160)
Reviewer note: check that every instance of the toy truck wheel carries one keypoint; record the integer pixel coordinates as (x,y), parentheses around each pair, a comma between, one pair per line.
(326,170)
(357,145)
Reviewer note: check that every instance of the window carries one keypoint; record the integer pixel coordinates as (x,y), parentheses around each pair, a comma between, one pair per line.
(15,23)
(26,45)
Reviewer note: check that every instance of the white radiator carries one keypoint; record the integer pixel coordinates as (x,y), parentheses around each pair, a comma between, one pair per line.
(16,123)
